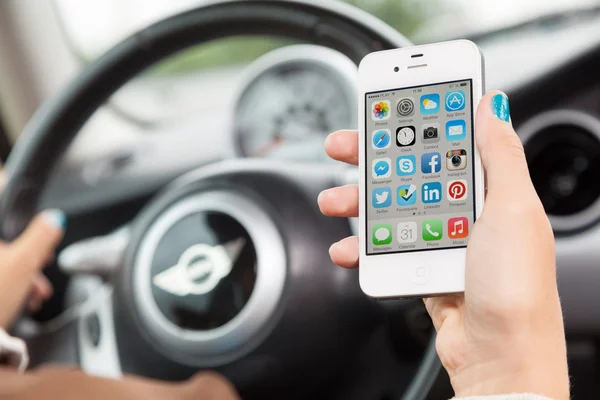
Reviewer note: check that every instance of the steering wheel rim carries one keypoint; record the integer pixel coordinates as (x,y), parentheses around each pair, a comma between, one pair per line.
(336,25)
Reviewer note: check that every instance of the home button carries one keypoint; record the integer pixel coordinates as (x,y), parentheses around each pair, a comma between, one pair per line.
(420,275)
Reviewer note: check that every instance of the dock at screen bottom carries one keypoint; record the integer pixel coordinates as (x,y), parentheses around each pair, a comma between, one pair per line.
(432,231)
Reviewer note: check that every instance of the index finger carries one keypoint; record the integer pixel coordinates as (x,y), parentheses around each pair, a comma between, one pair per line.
(343,146)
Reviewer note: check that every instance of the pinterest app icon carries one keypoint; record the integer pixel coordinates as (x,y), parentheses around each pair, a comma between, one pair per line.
(457,190)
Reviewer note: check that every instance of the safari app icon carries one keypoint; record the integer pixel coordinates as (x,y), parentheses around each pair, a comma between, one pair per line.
(381,139)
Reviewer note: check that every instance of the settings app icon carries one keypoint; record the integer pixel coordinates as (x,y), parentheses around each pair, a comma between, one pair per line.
(405,107)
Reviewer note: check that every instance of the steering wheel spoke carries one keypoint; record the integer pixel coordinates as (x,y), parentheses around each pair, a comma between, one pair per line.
(100,255)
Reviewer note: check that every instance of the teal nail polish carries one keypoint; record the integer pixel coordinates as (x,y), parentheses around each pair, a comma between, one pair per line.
(57,218)
(500,107)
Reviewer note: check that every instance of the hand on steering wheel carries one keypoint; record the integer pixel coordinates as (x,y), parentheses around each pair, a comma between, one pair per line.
(21,262)
(505,334)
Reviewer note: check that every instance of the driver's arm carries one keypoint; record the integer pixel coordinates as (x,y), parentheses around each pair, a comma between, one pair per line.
(71,384)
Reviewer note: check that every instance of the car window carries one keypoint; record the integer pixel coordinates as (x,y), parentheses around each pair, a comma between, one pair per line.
(92,27)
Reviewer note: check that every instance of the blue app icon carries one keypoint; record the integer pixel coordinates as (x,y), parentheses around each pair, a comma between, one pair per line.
(430,103)
(431,192)
(382,197)
(406,165)
(455,100)
(431,163)
(407,195)
(456,130)
(381,139)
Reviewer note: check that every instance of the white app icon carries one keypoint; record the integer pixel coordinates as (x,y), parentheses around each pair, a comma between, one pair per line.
(382,168)
(381,139)
(407,232)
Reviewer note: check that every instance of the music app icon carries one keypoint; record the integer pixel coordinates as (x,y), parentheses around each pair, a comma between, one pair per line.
(458,228)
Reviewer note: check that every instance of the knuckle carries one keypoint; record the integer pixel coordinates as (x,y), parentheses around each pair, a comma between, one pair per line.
(513,145)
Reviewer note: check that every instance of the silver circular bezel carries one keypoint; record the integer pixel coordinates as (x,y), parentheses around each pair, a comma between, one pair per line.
(308,56)
(235,338)
(579,119)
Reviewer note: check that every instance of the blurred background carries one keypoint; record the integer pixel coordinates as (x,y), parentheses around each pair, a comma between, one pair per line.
(170,91)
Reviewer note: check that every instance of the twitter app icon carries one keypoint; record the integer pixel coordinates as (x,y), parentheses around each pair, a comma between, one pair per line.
(382,197)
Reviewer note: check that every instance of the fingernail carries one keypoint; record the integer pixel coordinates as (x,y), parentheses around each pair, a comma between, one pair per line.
(319,198)
(331,248)
(56,217)
(500,107)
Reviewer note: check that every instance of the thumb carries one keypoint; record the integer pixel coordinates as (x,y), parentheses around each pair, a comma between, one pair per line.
(35,247)
(500,148)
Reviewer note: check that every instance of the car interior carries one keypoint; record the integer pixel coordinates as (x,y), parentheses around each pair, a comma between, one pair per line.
(184,141)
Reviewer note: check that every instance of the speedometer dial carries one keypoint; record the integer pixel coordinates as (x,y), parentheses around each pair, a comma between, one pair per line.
(295,97)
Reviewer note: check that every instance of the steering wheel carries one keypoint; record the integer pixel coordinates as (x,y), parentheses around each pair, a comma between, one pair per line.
(228,267)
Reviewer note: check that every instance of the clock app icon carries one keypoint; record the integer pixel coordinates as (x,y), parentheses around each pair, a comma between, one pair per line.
(405,136)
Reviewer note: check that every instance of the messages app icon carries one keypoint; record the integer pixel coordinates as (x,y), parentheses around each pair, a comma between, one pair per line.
(430,103)
(382,234)
(456,130)
(382,197)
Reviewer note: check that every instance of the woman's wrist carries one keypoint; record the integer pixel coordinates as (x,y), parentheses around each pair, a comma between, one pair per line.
(514,375)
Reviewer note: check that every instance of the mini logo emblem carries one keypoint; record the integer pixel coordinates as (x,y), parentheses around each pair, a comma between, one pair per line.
(200,268)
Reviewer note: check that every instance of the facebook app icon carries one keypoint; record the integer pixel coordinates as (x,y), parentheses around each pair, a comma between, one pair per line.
(431,163)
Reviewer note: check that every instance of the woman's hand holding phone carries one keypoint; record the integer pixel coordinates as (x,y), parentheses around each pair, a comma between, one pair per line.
(505,334)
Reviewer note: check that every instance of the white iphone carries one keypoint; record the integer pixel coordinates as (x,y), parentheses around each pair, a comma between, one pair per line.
(421,178)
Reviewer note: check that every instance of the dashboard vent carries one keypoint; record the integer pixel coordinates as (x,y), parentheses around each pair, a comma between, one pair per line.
(563,154)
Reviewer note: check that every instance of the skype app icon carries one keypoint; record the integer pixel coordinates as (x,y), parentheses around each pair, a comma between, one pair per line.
(406,165)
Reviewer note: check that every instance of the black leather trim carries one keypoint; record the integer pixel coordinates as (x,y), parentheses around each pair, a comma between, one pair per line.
(55,125)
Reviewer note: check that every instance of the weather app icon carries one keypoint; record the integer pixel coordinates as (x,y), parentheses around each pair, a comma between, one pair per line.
(381,168)
(382,197)
(430,103)
(381,139)
(455,100)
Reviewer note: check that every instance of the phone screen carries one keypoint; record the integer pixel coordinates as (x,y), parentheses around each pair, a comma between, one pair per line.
(419,168)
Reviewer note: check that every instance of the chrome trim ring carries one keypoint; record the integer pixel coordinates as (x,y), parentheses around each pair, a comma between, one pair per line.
(247,329)
(580,120)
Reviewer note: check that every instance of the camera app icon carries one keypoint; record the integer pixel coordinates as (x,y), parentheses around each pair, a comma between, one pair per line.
(456,159)
(430,133)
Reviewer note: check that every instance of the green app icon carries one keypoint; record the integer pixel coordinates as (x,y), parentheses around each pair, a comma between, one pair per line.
(432,229)
(382,234)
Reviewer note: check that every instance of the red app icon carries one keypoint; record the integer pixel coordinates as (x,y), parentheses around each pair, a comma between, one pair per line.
(458,228)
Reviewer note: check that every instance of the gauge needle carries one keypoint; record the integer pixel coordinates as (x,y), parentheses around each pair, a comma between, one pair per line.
(269,147)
